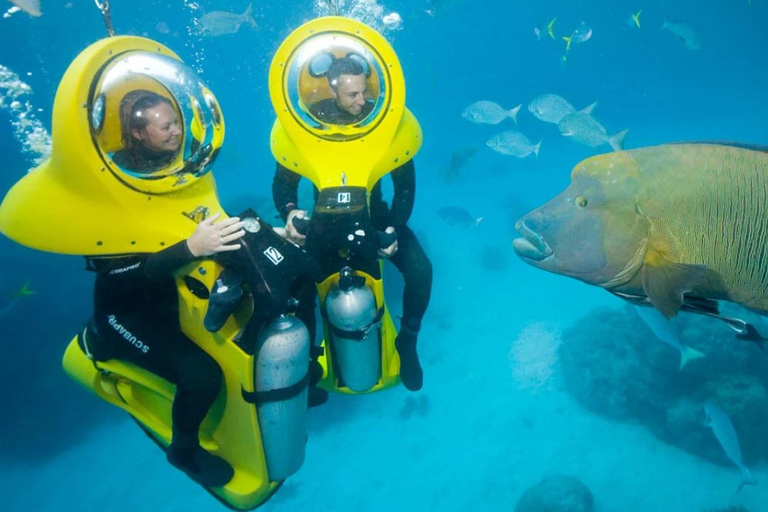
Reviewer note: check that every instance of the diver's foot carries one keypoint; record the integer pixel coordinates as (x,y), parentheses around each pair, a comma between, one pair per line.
(411,373)
(316,396)
(202,467)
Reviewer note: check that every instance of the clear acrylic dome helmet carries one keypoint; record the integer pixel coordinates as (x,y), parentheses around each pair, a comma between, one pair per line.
(154,122)
(308,84)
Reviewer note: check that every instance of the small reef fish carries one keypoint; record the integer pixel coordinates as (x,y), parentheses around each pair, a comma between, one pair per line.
(24,291)
(668,331)
(551,108)
(513,144)
(537,31)
(220,23)
(585,129)
(458,216)
(634,19)
(551,27)
(726,435)
(582,34)
(684,33)
(488,112)
(31,7)
(459,160)
(675,223)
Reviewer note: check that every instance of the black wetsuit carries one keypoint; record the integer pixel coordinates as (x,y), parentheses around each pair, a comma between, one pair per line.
(410,258)
(328,111)
(136,316)
(143,160)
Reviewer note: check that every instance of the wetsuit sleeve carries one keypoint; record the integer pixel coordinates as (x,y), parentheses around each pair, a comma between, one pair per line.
(162,264)
(404,181)
(285,190)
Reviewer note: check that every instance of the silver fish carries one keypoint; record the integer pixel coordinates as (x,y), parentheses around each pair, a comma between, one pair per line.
(513,144)
(582,34)
(585,129)
(457,216)
(723,429)
(220,23)
(684,33)
(551,108)
(668,331)
(488,112)
(31,7)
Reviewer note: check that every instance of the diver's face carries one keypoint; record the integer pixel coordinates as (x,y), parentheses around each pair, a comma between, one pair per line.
(350,93)
(163,132)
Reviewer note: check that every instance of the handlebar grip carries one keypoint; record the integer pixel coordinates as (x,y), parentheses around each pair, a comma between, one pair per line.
(386,239)
(301,224)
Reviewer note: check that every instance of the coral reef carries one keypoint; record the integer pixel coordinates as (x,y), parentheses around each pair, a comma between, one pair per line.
(613,365)
(556,493)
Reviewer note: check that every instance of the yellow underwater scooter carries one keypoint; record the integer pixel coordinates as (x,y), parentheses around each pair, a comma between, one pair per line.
(81,202)
(344,161)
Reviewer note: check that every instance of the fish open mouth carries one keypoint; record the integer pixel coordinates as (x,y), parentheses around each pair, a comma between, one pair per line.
(531,246)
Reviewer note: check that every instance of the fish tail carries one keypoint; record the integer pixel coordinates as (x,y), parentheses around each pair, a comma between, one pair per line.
(550,27)
(248,15)
(513,113)
(636,17)
(617,141)
(536,149)
(479,220)
(688,354)
(588,110)
(746,478)
(567,40)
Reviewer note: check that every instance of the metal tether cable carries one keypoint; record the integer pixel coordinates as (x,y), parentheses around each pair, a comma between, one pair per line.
(107,15)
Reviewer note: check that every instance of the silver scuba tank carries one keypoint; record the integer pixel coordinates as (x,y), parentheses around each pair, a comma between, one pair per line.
(350,306)
(282,362)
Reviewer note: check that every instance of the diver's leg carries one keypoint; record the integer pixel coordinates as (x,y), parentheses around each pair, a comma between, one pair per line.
(169,354)
(306,294)
(413,263)
(198,380)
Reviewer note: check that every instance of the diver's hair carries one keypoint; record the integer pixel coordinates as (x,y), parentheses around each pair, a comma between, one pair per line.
(131,107)
(343,66)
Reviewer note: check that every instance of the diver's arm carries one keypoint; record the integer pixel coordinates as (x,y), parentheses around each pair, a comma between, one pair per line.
(163,263)
(285,191)
(404,181)
(209,238)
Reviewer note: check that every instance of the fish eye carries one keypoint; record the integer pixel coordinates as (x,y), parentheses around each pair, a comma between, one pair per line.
(581,201)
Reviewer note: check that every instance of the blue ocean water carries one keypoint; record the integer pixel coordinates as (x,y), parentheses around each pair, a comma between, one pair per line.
(474,438)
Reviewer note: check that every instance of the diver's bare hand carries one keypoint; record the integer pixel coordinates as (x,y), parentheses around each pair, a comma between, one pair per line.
(387,252)
(290,229)
(209,238)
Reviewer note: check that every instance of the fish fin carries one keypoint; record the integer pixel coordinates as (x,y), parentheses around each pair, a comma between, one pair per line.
(741,145)
(589,109)
(536,149)
(550,27)
(248,16)
(688,354)
(479,220)
(617,141)
(746,478)
(665,282)
(567,40)
(513,112)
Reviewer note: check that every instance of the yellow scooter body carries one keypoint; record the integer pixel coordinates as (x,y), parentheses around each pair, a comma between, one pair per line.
(343,155)
(80,202)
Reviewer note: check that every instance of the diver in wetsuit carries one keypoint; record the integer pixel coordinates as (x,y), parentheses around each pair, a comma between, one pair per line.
(136,315)
(136,319)
(348,105)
